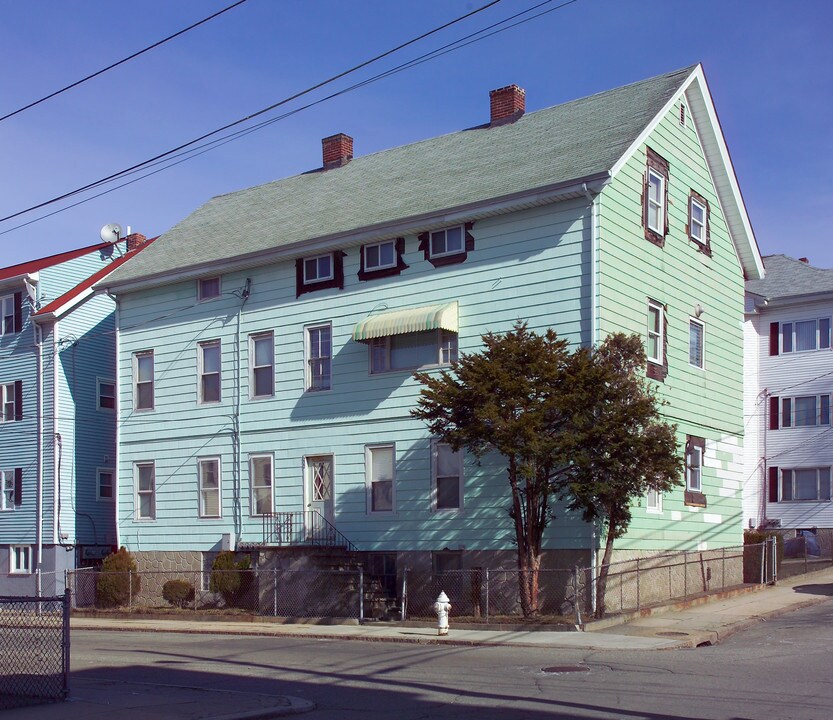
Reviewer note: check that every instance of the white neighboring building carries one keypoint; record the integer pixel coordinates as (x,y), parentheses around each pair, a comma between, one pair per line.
(788,367)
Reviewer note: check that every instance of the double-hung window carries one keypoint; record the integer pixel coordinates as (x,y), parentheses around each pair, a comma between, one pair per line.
(261,475)
(208,470)
(653,501)
(143,380)
(413,350)
(380,463)
(804,335)
(7,490)
(656,332)
(104,484)
(145,477)
(106,394)
(656,204)
(209,369)
(319,352)
(450,241)
(447,477)
(695,450)
(20,561)
(318,269)
(9,398)
(802,411)
(698,215)
(696,337)
(262,360)
(7,306)
(655,198)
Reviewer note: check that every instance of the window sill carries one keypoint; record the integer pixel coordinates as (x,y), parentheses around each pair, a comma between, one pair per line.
(410,371)
(700,247)
(695,499)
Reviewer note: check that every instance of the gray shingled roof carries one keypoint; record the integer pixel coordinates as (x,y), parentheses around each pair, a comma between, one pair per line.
(568,142)
(788,277)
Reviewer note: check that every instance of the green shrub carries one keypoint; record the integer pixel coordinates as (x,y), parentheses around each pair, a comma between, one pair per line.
(115,584)
(230,577)
(178,592)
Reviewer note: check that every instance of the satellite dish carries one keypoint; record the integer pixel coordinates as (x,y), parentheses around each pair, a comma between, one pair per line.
(110,233)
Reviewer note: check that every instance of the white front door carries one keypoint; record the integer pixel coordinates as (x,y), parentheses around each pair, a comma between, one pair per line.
(319,472)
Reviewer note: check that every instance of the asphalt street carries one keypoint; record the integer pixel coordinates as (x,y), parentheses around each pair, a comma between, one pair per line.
(777,669)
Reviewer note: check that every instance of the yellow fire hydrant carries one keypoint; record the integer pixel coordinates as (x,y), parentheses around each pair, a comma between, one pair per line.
(442,607)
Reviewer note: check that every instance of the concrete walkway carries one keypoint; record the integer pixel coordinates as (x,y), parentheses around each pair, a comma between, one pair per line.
(683,625)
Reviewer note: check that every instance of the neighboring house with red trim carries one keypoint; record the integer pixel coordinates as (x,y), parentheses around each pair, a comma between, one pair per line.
(789,380)
(57,425)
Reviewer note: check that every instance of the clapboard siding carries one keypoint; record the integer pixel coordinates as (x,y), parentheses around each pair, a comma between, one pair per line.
(705,403)
(531,265)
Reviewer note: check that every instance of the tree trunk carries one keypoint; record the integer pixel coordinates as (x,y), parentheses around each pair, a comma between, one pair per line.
(601,585)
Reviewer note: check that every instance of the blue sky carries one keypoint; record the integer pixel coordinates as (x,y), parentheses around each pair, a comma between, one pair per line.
(769,66)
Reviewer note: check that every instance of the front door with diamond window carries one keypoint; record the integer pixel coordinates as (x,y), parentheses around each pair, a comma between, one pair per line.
(320,486)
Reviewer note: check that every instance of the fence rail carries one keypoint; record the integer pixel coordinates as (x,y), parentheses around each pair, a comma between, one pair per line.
(34,650)
(477,595)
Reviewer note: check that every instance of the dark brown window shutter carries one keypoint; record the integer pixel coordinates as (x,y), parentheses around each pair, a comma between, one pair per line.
(18,400)
(338,269)
(18,312)
(774,332)
(773,484)
(18,486)
(773,412)
(299,277)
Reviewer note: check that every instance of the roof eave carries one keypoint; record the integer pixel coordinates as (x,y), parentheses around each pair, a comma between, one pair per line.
(415,224)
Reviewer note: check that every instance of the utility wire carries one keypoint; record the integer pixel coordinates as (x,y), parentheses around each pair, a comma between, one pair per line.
(201,149)
(230,125)
(121,62)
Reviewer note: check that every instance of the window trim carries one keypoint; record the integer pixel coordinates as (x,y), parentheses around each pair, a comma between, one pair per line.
(368,477)
(318,279)
(379,266)
(435,444)
(695,322)
(452,258)
(657,166)
(11,394)
(252,486)
(201,490)
(14,568)
(99,381)
(660,333)
(137,516)
(656,507)
(99,471)
(385,342)
(446,253)
(201,372)
(201,296)
(694,496)
(16,301)
(8,482)
(308,359)
(786,407)
(136,358)
(781,473)
(253,338)
(391,270)
(703,243)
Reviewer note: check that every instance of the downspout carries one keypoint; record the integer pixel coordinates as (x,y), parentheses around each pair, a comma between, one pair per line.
(56,464)
(116,385)
(594,341)
(39,443)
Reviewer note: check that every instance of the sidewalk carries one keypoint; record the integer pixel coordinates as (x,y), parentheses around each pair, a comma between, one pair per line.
(684,625)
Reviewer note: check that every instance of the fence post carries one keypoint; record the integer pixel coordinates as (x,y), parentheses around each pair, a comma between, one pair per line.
(361,594)
(66,578)
(65,640)
(774,561)
(723,574)
(37,582)
(576,598)
(274,592)
(197,586)
(685,574)
(130,591)
(487,596)
(403,613)
(638,596)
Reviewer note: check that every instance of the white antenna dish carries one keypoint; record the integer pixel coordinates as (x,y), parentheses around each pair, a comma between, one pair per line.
(110,233)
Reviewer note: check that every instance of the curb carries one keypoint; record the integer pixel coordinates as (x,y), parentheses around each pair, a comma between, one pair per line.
(297,706)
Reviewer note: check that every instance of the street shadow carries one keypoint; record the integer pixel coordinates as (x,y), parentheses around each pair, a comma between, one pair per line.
(822,589)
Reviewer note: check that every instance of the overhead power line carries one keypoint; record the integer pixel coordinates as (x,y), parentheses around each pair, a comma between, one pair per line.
(121,62)
(170,158)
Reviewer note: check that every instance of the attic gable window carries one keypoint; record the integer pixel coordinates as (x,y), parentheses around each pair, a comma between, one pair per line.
(11,307)
(655,199)
(318,272)
(698,228)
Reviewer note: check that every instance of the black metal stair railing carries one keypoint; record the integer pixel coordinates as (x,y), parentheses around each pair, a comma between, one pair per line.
(302,528)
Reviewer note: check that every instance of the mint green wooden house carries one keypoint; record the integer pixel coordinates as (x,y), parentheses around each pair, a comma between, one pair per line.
(267,342)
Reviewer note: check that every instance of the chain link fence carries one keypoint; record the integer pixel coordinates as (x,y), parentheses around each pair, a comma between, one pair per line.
(34,650)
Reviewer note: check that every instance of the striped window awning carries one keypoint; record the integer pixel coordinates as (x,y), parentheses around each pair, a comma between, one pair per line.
(399,322)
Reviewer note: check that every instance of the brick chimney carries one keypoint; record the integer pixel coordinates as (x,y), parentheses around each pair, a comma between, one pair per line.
(507,104)
(134,240)
(806,261)
(337,150)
